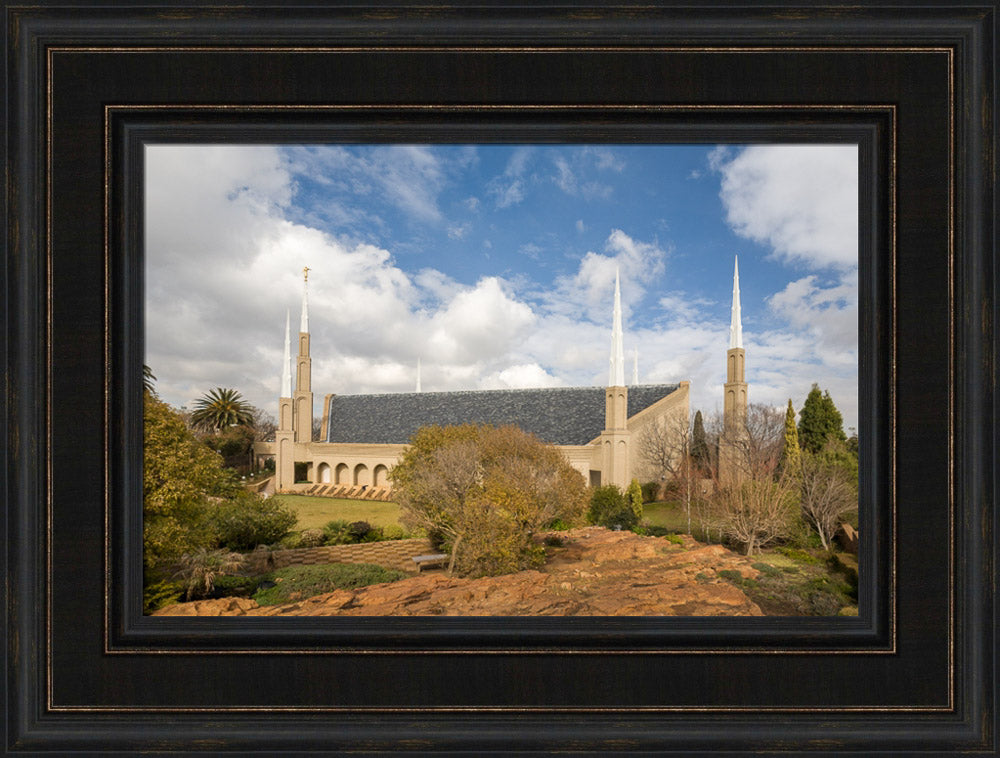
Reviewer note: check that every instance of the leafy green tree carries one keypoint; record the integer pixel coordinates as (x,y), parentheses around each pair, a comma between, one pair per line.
(221,408)
(699,443)
(180,474)
(486,491)
(247,520)
(819,421)
(791,455)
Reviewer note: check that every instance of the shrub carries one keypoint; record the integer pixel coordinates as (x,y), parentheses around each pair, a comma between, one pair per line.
(359,529)
(767,569)
(337,532)
(799,555)
(159,594)
(609,508)
(733,576)
(293,582)
(634,497)
(235,586)
(394,532)
(198,570)
(675,539)
(247,520)
(481,492)
(650,491)
(311,538)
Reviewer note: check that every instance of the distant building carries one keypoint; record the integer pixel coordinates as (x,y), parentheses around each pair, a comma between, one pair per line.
(364,435)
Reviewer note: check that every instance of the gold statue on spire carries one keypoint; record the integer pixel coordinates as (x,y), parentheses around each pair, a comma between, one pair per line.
(305,273)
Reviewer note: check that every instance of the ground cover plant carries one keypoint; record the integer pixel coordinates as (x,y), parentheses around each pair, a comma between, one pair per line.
(286,585)
(799,578)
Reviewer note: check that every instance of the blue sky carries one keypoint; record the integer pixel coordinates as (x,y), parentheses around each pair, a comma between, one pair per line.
(494,265)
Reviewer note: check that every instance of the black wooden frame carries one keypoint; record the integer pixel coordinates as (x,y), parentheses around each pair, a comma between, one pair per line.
(88,85)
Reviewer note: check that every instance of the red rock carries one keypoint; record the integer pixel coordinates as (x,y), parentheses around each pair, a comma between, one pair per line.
(597,572)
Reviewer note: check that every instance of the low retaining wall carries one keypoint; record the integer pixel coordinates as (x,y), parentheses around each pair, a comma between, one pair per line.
(395,554)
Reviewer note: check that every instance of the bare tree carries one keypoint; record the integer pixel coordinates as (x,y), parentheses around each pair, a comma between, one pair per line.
(828,494)
(664,447)
(263,425)
(758,442)
(440,496)
(755,511)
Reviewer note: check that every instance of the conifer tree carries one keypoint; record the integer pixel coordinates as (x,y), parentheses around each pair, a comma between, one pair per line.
(791,457)
(819,421)
(699,442)
(634,494)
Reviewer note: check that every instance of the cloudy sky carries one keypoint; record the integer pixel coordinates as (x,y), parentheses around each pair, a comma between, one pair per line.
(494,265)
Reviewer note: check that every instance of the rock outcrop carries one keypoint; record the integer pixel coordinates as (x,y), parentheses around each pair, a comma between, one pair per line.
(596,572)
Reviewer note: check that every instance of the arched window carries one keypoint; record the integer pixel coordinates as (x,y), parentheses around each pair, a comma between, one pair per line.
(323,473)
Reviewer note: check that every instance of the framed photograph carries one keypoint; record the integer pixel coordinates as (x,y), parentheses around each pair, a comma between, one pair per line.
(451,285)
(135,242)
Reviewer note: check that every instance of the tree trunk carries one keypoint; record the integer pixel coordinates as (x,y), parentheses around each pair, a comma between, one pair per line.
(454,552)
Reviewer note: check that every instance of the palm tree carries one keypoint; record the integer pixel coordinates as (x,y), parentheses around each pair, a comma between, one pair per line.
(221,408)
(198,570)
(148,380)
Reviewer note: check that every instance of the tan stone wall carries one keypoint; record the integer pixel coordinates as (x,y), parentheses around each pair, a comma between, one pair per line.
(355,465)
(395,554)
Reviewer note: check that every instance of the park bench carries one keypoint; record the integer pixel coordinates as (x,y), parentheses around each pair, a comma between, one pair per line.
(427,561)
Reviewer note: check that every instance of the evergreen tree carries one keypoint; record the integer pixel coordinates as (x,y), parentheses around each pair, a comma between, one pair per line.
(634,494)
(699,442)
(819,421)
(791,456)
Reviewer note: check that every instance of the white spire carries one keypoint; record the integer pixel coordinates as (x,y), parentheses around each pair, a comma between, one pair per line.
(616,378)
(418,375)
(286,364)
(304,323)
(635,365)
(736,327)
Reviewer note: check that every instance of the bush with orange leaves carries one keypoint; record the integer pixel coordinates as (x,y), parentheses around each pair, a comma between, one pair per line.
(487,490)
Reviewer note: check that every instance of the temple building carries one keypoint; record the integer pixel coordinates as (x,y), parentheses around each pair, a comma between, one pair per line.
(595,428)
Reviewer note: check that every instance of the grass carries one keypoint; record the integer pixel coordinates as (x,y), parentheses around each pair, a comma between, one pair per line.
(317,512)
(297,582)
(670,516)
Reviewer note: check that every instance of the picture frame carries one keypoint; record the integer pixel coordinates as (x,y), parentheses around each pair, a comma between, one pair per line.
(87,85)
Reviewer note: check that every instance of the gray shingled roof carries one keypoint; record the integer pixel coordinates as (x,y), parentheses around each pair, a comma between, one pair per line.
(561,415)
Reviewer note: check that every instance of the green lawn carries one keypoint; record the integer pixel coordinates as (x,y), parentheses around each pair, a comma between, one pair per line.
(317,512)
(670,515)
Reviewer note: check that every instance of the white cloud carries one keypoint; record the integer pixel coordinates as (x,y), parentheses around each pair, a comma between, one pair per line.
(802,200)
(589,289)
(478,323)
(520,376)
(508,189)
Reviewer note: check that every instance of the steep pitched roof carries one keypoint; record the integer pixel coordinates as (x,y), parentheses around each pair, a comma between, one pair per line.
(560,415)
